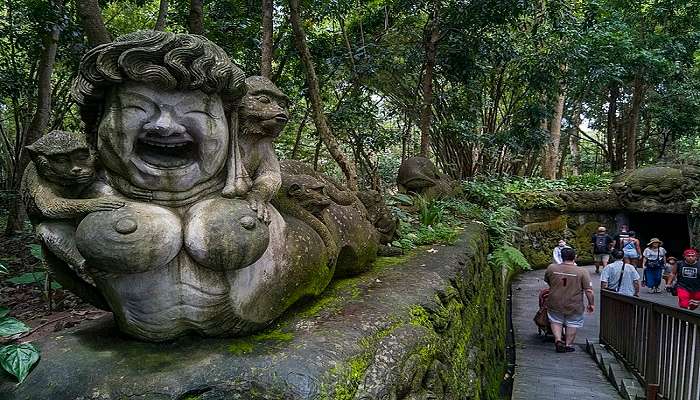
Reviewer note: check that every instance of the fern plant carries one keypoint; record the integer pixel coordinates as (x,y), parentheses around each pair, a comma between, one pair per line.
(429,211)
(510,258)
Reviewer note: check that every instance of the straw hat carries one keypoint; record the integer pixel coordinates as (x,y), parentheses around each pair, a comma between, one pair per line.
(655,240)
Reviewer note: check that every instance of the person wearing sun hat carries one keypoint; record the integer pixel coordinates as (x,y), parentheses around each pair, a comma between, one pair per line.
(687,275)
(653,261)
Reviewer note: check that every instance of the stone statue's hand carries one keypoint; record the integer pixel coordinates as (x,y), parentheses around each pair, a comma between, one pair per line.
(259,205)
(104,204)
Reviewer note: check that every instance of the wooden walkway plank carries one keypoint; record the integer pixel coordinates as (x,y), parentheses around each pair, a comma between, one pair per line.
(543,374)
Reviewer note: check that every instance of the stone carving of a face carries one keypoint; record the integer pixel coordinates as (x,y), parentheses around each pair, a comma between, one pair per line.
(169,140)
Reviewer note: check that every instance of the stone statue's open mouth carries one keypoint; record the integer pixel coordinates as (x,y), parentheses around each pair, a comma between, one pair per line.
(167,152)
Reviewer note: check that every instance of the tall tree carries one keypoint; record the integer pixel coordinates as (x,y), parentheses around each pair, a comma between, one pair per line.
(314,95)
(162,16)
(266,47)
(40,119)
(195,20)
(552,152)
(432,36)
(93,24)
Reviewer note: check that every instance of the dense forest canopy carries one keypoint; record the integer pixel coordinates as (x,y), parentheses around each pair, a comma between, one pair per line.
(545,88)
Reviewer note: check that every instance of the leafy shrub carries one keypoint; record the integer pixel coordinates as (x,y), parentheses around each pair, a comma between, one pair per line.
(510,258)
(16,359)
(429,211)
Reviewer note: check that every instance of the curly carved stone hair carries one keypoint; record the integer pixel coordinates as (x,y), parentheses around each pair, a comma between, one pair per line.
(164,59)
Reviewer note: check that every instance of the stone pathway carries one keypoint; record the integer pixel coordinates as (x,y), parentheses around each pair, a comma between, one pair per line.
(543,374)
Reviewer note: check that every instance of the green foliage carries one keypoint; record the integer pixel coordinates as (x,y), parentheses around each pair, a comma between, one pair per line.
(10,326)
(510,258)
(429,210)
(34,277)
(36,251)
(18,359)
(4,311)
(3,269)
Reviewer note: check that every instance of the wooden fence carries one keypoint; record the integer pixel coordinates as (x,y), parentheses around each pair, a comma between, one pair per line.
(660,344)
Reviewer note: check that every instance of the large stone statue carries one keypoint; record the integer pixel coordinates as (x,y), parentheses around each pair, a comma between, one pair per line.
(419,175)
(174,226)
(659,188)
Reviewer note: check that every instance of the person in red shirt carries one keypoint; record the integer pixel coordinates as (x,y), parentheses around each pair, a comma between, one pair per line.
(687,274)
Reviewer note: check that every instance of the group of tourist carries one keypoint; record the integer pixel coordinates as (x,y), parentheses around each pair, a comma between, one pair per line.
(569,284)
(680,277)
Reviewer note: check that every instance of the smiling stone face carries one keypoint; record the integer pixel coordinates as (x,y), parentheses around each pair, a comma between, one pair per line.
(167,140)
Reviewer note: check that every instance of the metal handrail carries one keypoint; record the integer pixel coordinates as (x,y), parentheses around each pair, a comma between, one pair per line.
(660,344)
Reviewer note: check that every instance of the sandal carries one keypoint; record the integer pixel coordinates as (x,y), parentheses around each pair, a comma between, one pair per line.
(561,348)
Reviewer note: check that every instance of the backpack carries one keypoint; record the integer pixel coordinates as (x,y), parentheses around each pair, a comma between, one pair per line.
(601,244)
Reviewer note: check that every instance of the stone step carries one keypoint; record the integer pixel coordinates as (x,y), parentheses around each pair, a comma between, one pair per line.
(632,390)
(616,373)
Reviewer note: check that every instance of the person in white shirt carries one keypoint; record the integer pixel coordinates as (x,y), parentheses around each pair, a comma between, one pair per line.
(556,254)
(613,278)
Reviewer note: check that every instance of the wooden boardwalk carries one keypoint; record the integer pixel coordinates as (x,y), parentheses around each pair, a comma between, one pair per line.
(543,374)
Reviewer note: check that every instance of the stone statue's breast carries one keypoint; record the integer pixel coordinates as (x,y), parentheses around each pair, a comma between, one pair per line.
(224,234)
(135,238)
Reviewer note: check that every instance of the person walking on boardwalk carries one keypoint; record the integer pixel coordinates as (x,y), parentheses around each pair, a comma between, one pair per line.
(620,277)
(654,261)
(567,286)
(623,234)
(556,253)
(687,274)
(602,244)
(630,246)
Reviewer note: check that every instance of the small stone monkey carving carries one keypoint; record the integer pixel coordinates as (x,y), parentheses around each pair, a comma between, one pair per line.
(54,188)
(333,189)
(303,197)
(262,117)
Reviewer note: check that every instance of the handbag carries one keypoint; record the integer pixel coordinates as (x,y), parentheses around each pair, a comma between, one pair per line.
(658,263)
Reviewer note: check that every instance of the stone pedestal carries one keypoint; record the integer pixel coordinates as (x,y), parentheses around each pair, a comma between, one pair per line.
(428,325)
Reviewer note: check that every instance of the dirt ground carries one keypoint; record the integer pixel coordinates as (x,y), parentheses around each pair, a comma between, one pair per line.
(30,303)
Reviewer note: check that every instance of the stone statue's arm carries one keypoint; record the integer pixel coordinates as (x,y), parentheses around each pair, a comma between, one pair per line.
(269,178)
(42,196)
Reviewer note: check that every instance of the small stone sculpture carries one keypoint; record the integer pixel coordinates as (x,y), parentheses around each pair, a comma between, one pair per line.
(60,185)
(419,175)
(175,226)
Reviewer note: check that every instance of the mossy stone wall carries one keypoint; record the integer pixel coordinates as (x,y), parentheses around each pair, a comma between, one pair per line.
(543,230)
(427,326)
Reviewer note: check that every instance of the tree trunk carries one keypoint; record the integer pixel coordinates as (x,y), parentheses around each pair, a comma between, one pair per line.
(162,16)
(432,35)
(195,21)
(93,24)
(266,46)
(575,139)
(611,127)
(550,161)
(314,95)
(633,123)
(620,138)
(300,131)
(40,120)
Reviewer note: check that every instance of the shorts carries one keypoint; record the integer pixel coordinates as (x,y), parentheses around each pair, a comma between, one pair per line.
(573,321)
(684,297)
(601,257)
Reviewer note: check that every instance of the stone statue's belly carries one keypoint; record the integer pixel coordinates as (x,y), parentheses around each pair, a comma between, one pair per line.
(224,234)
(135,238)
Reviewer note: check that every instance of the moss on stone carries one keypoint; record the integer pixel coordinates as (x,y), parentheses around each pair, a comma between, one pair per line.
(247,344)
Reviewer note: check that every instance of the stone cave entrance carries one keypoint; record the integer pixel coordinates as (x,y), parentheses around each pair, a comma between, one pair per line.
(672,229)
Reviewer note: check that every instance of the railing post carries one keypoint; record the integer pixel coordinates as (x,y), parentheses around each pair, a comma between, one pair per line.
(652,391)
(652,350)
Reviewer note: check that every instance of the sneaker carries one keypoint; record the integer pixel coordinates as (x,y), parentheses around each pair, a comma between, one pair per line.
(569,349)
(560,347)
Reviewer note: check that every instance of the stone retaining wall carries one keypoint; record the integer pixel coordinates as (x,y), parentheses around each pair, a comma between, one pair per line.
(429,325)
